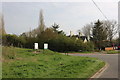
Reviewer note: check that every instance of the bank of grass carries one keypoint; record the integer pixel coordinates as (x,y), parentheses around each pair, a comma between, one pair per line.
(25,63)
(112,52)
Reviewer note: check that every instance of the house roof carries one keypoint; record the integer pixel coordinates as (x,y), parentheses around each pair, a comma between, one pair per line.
(80,37)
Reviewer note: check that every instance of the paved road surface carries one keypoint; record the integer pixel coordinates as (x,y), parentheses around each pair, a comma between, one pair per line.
(111,59)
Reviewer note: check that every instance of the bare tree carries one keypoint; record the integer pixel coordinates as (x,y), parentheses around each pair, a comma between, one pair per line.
(86,30)
(111,27)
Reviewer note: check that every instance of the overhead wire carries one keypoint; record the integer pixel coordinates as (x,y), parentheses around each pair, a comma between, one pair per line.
(100,10)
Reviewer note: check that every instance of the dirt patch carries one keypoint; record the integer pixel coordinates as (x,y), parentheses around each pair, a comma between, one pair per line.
(36,52)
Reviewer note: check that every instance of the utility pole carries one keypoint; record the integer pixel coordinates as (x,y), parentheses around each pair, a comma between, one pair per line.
(119,21)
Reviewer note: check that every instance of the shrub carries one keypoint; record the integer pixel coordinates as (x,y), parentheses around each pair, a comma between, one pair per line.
(89,46)
(57,42)
(64,44)
(13,40)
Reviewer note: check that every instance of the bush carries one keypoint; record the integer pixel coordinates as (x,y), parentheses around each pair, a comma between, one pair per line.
(57,42)
(112,52)
(10,40)
(65,44)
(89,46)
(13,40)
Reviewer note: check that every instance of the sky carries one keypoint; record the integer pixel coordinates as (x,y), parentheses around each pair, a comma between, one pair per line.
(20,17)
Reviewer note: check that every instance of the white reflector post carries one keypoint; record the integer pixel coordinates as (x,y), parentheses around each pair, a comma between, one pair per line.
(36,45)
(45,46)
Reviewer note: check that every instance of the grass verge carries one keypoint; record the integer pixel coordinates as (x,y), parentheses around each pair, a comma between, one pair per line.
(85,52)
(112,52)
(24,63)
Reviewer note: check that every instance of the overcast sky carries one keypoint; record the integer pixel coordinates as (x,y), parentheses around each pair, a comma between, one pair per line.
(21,16)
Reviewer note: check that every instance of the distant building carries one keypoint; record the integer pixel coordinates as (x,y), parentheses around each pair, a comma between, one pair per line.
(80,36)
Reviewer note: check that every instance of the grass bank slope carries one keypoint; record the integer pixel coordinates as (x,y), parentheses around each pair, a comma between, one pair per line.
(25,63)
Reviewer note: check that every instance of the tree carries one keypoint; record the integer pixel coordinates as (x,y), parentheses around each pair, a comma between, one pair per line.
(99,34)
(2,28)
(86,30)
(41,27)
(55,29)
(111,29)
(48,34)
(11,40)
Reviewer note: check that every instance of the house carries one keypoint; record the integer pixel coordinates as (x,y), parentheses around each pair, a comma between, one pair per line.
(80,36)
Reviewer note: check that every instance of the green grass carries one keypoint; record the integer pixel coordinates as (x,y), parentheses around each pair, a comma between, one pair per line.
(112,52)
(24,63)
(0,62)
(85,52)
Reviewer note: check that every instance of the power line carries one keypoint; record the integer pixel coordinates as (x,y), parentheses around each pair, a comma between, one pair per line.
(99,9)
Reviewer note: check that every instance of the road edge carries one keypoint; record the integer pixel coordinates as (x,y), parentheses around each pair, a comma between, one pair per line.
(99,73)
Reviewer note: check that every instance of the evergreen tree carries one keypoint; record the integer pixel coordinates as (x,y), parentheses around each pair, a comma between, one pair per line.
(99,35)
(56,27)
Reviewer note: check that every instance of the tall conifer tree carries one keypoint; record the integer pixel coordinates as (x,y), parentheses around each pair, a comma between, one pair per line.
(99,35)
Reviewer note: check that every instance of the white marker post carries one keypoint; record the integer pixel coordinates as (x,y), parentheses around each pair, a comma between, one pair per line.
(36,46)
(45,46)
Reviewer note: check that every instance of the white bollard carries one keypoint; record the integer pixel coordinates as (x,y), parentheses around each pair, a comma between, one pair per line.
(36,46)
(45,46)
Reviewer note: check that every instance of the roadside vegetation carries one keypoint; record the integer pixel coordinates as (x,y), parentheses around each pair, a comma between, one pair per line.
(93,52)
(98,35)
(57,42)
(112,52)
(85,52)
(24,63)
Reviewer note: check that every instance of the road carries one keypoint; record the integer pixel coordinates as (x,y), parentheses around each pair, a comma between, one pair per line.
(111,59)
